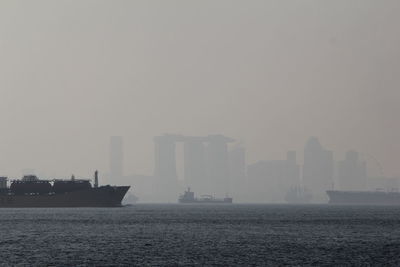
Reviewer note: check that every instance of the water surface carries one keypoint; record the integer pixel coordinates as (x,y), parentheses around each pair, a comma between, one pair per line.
(201,235)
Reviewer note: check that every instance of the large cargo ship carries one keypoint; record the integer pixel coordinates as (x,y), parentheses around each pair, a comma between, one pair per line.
(30,191)
(188,197)
(363,197)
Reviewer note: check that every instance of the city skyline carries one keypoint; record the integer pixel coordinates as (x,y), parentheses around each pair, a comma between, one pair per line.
(266,181)
(184,161)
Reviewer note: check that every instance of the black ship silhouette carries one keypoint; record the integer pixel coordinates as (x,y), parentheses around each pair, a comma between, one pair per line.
(188,197)
(30,191)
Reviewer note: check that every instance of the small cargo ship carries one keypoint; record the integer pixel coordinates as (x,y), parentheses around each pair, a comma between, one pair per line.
(188,197)
(363,197)
(30,191)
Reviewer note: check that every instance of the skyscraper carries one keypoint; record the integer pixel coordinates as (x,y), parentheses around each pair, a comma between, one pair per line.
(291,172)
(237,172)
(351,173)
(217,164)
(165,175)
(194,164)
(270,181)
(317,170)
(165,159)
(206,167)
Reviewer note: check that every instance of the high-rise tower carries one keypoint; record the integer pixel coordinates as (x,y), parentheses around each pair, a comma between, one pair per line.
(194,164)
(317,170)
(165,175)
(217,162)
(352,173)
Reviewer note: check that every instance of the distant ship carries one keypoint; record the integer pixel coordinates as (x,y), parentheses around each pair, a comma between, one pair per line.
(188,197)
(30,191)
(363,197)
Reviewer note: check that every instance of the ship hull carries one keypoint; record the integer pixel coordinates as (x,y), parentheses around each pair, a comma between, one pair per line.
(105,196)
(364,198)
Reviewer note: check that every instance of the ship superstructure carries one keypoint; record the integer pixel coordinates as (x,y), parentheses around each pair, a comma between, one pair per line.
(31,191)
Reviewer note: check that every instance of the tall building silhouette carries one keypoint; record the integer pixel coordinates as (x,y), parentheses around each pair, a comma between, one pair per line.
(317,170)
(116,157)
(269,181)
(206,166)
(194,164)
(291,172)
(165,175)
(352,173)
(237,172)
(165,158)
(217,164)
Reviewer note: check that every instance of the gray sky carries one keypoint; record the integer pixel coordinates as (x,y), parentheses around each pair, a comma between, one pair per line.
(269,73)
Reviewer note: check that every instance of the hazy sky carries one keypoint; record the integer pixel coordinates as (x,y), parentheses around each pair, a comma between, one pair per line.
(269,73)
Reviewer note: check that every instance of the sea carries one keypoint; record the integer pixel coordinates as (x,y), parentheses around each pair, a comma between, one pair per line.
(201,235)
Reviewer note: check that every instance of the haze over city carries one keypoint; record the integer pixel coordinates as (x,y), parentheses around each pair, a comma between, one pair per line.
(268,74)
(199,133)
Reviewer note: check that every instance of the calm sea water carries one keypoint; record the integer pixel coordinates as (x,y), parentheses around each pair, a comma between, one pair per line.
(195,235)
